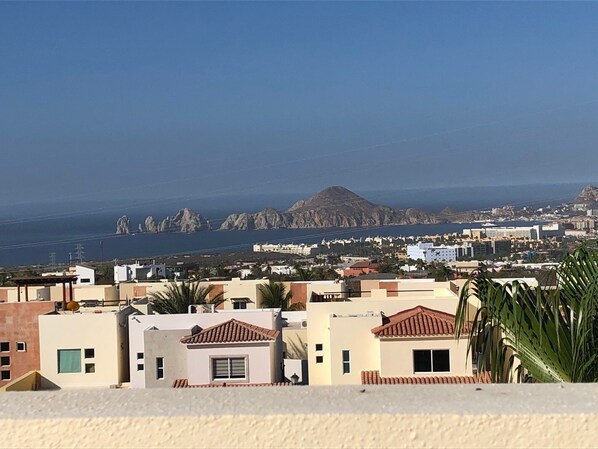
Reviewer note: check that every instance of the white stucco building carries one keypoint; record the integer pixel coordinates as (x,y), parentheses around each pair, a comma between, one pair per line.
(430,253)
(301,249)
(138,271)
(236,346)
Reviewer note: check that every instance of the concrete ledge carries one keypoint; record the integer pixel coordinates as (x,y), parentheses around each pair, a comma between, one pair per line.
(301,417)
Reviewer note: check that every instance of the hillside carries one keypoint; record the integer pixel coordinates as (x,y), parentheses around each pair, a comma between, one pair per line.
(589,195)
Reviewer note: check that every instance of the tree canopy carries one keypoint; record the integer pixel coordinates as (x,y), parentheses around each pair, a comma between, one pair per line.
(275,296)
(179,296)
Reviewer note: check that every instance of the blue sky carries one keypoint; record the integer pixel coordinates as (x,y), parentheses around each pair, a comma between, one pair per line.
(159,100)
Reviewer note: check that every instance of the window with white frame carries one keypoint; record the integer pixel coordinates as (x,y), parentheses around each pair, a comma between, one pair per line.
(431,361)
(346,362)
(159,367)
(21,346)
(229,368)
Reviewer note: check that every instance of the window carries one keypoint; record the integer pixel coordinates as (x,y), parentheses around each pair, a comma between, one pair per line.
(4,346)
(228,368)
(140,367)
(239,305)
(346,362)
(159,367)
(21,346)
(69,361)
(319,346)
(139,355)
(319,359)
(90,368)
(431,361)
(90,353)
(4,361)
(4,375)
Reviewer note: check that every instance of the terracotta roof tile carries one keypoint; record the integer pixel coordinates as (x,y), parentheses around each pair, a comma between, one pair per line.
(184,383)
(418,321)
(231,331)
(374,378)
(364,264)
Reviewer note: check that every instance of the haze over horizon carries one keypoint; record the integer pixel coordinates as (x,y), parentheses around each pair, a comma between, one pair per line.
(117,101)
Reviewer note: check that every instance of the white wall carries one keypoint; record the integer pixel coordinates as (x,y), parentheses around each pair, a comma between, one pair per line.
(267,318)
(258,363)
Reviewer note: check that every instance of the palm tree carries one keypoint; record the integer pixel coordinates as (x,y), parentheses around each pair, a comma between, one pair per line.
(178,297)
(551,333)
(275,296)
(303,274)
(441,272)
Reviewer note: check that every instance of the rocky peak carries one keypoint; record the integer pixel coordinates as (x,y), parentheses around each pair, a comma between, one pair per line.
(123,225)
(330,197)
(185,220)
(331,208)
(150,224)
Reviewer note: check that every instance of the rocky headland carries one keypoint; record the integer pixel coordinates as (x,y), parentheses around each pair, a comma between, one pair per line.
(588,196)
(334,207)
(185,220)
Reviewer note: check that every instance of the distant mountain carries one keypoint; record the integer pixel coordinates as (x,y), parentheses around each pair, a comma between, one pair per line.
(332,207)
(185,220)
(589,195)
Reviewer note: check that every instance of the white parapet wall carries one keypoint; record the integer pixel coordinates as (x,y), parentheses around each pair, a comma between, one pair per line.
(456,416)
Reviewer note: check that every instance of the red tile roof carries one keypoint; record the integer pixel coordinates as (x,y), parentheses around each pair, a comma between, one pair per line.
(184,383)
(374,378)
(231,331)
(419,321)
(364,264)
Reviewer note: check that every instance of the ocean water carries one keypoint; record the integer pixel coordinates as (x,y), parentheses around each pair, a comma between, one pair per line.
(30,233)
(33,246)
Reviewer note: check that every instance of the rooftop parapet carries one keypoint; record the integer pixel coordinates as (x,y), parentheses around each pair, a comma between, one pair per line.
(466,416)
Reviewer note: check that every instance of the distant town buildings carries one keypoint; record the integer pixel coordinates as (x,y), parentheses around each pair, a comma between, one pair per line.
(430,253)
(302,249)
(85,274)
(535,232)
(477,249)
(138,271)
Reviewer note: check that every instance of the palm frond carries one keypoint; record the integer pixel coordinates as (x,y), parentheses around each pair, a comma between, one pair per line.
(553,334)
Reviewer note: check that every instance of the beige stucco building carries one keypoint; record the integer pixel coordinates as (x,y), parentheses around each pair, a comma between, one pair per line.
(348,343)
(84,349)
